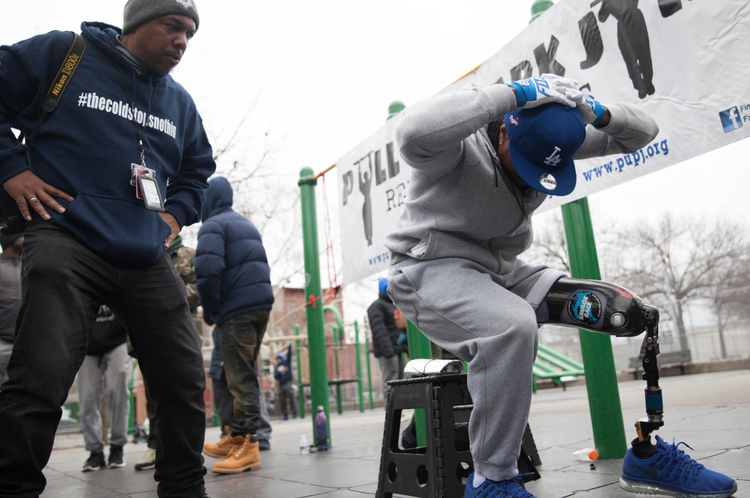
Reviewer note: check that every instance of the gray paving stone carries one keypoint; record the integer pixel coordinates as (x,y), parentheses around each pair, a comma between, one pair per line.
(60,485)
(258,486)
(718,430)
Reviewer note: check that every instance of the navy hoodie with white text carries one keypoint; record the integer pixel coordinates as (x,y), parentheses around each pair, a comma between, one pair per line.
(87,145)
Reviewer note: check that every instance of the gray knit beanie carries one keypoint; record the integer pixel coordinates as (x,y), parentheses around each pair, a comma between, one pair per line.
(138,12)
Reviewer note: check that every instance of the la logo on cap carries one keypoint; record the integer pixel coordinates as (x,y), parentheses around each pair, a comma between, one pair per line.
(554,158)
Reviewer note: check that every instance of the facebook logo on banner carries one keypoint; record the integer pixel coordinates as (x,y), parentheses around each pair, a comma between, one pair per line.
(731,119)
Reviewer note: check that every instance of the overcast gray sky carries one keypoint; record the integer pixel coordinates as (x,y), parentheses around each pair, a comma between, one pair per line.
(322,73)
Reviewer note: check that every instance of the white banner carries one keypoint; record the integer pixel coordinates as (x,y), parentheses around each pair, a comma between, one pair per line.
(684,62)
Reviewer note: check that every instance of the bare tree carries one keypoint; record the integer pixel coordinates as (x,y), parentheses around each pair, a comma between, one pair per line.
(669,262)
(729,293)
(675,261)
(246,154)
(549,247)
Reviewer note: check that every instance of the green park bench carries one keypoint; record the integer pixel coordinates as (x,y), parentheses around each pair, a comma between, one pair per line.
(552,365)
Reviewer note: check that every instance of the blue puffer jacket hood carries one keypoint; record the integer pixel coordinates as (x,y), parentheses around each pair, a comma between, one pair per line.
(383,285)
(230,261)
(219,196)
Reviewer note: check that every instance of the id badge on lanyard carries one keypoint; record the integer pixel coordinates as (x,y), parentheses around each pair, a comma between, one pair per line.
(146,186)
(151,194)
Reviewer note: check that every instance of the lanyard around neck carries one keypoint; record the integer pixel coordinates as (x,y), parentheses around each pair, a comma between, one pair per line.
(140,131)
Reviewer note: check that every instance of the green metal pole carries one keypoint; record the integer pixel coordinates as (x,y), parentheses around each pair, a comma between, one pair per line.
(338,336)
(359,368)
(337,316)
(596,349)
(299,374)
(394,108)
(316,339)
(539,6)
(369,372)
(337,376)
(419,347)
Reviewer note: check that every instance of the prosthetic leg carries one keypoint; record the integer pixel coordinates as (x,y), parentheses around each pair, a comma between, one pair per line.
(609,309)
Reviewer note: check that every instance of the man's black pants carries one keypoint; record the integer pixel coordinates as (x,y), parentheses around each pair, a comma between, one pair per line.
(63,285)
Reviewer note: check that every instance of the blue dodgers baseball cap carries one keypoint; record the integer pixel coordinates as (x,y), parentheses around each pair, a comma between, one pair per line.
(543,141)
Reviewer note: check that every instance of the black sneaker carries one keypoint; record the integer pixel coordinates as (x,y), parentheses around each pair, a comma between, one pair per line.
(116,460)
(264,444)
(95,462)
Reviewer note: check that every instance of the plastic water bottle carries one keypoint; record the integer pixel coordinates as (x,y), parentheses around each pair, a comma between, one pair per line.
(304,445)
(586,454)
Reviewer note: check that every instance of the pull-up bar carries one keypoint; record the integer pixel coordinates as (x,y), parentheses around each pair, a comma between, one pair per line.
(329,168)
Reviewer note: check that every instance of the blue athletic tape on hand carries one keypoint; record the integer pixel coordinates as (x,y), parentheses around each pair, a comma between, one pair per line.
(596,107)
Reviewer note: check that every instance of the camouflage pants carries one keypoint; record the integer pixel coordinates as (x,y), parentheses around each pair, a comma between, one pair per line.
(241,337)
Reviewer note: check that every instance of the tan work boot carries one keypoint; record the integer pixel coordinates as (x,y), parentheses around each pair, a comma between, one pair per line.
(220,449)
(245,455)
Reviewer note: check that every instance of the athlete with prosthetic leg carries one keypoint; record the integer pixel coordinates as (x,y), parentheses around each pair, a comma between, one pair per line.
(483,160)
(606,308)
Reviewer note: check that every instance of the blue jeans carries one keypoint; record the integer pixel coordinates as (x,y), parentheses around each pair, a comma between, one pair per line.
(241,337)
(63,286)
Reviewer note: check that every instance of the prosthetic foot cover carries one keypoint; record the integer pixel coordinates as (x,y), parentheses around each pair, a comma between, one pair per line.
(670,471)
(593,305)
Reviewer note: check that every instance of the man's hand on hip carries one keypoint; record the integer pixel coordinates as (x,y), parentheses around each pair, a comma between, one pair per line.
(27,189)
(172,222)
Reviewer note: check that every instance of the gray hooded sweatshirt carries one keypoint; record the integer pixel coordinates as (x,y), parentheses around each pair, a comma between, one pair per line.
(462,204)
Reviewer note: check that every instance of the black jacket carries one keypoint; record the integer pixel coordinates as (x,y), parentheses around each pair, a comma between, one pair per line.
(383,327)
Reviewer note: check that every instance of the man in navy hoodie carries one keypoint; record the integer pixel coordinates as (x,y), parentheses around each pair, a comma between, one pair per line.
(234,284)
(91,240)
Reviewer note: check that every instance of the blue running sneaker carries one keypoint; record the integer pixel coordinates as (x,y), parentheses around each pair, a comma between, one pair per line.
(495,489)
(672,472)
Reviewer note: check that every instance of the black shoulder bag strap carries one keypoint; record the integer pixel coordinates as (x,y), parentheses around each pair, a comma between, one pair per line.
(11,220)
(60,83)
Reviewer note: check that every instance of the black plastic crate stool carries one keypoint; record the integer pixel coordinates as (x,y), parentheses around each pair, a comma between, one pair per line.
(440,469)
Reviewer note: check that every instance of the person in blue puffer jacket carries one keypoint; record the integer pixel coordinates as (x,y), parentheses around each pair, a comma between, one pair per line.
(234,284)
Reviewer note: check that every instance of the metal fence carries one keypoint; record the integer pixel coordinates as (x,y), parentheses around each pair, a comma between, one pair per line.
(704,343)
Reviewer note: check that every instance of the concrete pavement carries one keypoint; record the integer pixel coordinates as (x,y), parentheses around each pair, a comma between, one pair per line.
(710,412)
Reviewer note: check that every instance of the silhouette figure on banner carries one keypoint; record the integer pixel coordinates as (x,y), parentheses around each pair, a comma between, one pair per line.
(632,38)
(365,182)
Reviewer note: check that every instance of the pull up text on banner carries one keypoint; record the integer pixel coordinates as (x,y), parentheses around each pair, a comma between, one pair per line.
(684,62)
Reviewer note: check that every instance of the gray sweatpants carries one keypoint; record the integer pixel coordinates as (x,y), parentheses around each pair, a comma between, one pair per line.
(466,309)
(5,349)
(391,368)
(115,368)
